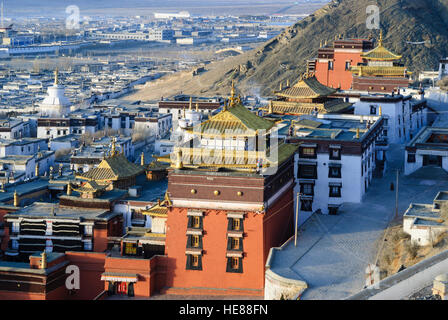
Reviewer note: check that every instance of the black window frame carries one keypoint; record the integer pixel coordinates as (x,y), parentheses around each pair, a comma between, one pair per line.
(411,158)
(230,247)
(302,189)
(330,171)
(189,241)
(331,156)
(335,195)
(306,208)
(190,266)
(230,224)
(300,172)
(229,265)
(190,224)
(306,156)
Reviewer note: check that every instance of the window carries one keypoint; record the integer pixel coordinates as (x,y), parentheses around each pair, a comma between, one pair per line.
(88,230)
(307,171)
(334,171)
(235,243)
(307,189)
(372,109)
(234,264)
(194,241)
(236,224)
(194,262)
(330,65)
(195,222)
(306,205)
(307,152)
(347,65)
(88,246)
(130,248)
(411,157)
(335,191)
(335,154)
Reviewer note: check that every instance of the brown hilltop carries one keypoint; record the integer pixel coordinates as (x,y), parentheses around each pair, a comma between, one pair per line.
(284,57)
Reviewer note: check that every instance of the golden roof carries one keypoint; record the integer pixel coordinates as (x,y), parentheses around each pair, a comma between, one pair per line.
(235,120)
(90,186)
(115,167)
(299,108)
(380,52)
(160,209)
(306,88)
(391,71)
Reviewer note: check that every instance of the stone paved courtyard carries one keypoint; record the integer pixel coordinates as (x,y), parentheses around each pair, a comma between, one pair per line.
(333,252)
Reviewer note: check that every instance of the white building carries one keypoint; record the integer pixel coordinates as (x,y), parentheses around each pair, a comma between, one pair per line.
(55,103)
(24,146)
(14,129)
(423,222)
(403,115)
(58,127)
(428,148)
(176,108)
(443,68)
(154,124)
(336,160)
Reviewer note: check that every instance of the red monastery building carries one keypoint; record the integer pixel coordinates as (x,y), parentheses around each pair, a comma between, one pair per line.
(227,209)
(355,64)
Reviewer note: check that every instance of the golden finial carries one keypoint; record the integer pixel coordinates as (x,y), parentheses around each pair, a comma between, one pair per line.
(167,199)
(43,264)
(16,199)
(380,41)
(238,99)
(357,133)
(142,159)
(320,44)
(56,80)
(325,43)
(287,83)
(281,86)
(183,112)
(232,94)
(69,189)
(113,150)
(380,111)
(224,108)
(191,103)
(270,107)
(36,170)
(197,107)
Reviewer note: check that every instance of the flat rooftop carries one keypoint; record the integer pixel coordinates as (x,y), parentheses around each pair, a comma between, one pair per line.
(430,138)
(54,210)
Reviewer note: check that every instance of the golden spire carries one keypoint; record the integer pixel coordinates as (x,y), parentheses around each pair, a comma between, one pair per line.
(183,112)
(191,103)
(287,83)
(224,108)
(357,133)
(380,111)
(69,189)
(197,107)
(113,150)
(232,94)
(36,170)
(56,71)
(320,44)
(325,43)
(281,86)
(16,199)
(142,159)
(380,41)
(44,260)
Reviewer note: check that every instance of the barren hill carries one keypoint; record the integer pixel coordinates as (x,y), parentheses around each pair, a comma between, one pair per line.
(260,71)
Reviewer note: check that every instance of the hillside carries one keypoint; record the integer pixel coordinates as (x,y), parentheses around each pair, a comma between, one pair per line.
(260,71)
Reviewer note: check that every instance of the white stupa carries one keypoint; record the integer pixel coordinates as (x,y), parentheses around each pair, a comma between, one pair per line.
(55,103)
